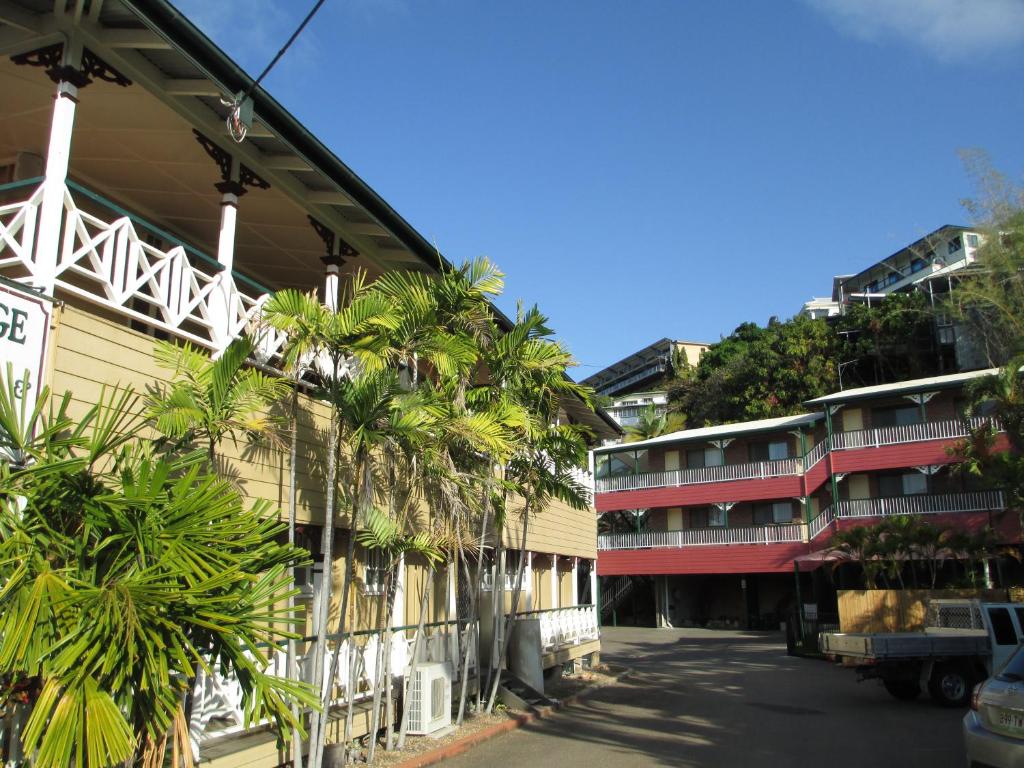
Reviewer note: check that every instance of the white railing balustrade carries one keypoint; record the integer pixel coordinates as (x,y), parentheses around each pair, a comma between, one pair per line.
(919,504)
(218,711)
(695,537)
(18,222)
(922,504)
(816,454)
(111,264)
(821,523)
(908,433)
(560,627)
(701,475)
(866,438)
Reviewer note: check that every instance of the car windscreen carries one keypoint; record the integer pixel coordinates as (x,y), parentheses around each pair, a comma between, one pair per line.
(1013,671)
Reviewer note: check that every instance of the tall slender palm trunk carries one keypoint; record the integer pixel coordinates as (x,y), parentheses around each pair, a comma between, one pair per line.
(514,608)
(318,721)
(292,670)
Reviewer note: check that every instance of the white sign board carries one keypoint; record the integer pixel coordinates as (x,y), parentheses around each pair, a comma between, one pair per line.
(24,333)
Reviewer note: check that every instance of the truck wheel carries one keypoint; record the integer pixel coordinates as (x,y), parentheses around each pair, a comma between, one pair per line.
(904,690)
(949,685)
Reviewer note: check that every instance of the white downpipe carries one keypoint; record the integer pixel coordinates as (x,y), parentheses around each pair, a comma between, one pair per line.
(398,608)
(528,580)
(593,582)
(554,582)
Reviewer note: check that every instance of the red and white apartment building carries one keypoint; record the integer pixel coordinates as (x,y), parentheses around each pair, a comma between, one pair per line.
(708,526)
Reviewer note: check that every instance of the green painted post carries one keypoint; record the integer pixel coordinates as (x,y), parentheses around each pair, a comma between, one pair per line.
(799,600)
(831,473)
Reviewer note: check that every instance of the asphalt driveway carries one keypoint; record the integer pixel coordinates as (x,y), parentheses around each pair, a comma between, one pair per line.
(709,698)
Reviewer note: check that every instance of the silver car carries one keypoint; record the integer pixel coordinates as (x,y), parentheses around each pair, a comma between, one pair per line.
(994,726)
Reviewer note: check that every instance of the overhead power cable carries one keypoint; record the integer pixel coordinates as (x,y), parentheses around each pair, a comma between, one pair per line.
(240,117)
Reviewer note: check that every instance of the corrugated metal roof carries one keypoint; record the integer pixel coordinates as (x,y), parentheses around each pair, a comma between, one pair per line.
(949,381)
(722,431)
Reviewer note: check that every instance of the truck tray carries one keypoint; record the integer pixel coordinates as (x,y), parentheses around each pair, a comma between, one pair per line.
(905,645)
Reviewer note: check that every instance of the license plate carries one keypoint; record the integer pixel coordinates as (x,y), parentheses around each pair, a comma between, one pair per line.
(1011,719)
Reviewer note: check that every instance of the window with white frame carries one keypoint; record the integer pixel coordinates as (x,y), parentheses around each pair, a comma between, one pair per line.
(375,572)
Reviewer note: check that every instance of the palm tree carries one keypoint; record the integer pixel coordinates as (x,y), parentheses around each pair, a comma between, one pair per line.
(855,544)
(334,345)
(124,570)
(653,424)
(208,400)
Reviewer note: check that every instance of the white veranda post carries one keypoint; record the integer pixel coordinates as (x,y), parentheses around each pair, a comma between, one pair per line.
(58,156)
(220,304)
(593,582)
(332,270)
(528,581)
(575,581)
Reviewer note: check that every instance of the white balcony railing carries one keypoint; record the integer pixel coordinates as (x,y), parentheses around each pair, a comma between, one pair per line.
(110,263)
(866,438)
(560,627)
(694,537)
(918,504)
(218,709)
(816,454)
(701,475)
(909,433)
(922,504)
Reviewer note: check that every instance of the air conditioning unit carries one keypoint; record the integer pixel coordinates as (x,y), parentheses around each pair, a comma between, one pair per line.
(430,698)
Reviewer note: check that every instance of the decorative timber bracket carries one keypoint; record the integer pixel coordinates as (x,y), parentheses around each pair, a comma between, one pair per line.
(247,177)
(344,250)
(51,57)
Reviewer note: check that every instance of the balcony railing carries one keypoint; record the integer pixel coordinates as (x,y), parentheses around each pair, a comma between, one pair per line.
(110,260)
(922,504)
(218,708)
(694,537)
(918,504)
(560,627)
(909,433)
(866,438)
(701,475)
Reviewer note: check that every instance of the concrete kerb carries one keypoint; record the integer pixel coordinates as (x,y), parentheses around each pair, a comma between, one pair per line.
(435,756)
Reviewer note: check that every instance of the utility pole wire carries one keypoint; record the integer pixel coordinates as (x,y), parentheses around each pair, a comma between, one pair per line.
(237,126)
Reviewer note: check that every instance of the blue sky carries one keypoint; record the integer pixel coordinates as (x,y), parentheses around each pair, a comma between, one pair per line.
(657,167)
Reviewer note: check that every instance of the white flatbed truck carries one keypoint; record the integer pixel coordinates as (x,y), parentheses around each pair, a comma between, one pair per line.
(964,642)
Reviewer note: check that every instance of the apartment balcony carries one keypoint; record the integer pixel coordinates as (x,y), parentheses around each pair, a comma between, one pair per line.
(913,445)
(896,447)
(852,510)
(771,548)
(704,485)
(106,256)
(630,415)
(697,537)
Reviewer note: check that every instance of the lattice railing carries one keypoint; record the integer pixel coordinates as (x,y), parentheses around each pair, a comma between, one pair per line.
(113,262)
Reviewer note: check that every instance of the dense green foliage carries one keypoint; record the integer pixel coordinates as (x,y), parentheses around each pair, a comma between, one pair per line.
(124,571)
(758,373)
(906,551)
(763,372)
